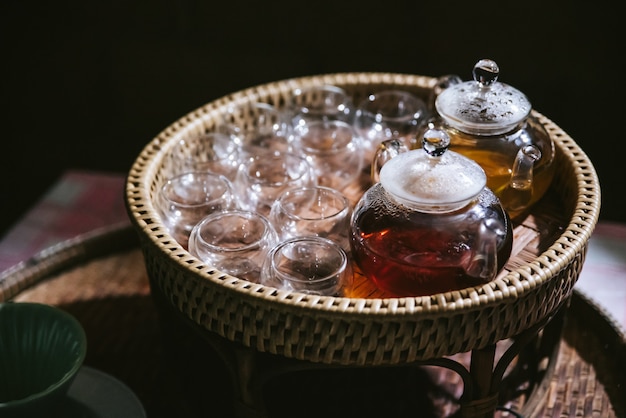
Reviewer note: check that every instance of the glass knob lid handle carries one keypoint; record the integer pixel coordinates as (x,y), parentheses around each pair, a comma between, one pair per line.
(435,141)
(484,105)
(486,72)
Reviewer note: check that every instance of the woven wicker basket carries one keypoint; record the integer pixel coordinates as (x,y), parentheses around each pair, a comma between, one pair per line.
(366,328)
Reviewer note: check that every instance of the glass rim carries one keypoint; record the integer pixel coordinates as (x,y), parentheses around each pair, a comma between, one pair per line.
(196,233)
(319,241)
(336,195)
(217,179)
(304,168)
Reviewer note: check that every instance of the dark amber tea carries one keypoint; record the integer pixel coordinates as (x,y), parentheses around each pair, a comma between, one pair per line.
(430,225)
(416,259)
(412,262)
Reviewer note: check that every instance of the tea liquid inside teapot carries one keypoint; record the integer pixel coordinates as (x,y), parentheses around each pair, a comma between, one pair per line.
(497,156)
(491,123)
(430,225)
(412,254)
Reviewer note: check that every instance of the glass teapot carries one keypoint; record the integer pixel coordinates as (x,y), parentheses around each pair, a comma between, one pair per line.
(491,123)
(430,224)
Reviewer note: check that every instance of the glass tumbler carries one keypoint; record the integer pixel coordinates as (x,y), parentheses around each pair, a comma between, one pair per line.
(185,199)
(263,177)
(334,149)
(323,102)
(312,211)
(389,114)
(257,127)
(210,151)
(312,265)
(234,242)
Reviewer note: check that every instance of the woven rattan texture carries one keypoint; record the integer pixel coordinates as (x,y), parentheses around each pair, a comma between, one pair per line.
(107,289)
(550,246)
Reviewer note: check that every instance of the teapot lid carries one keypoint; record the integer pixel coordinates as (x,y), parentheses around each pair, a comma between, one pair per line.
(433,179)
(483,106)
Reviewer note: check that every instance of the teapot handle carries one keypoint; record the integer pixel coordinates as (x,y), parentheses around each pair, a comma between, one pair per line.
(440,85)
(519,190)
(484,261)
(435,142)
(386,151)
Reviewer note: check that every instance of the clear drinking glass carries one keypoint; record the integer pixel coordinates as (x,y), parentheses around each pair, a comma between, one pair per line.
(312,265)
(324,102)
(334,149)
(185,199)
(389,114)
(234,242)
(263,177)
(211,151)
(312,211)
(257,126)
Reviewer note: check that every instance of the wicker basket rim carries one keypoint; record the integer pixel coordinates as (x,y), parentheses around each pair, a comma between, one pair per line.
(503,289)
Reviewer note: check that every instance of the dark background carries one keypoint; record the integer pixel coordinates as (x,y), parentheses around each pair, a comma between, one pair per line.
(86,85)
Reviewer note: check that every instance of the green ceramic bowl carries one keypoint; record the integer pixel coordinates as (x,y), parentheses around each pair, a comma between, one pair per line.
(42,349)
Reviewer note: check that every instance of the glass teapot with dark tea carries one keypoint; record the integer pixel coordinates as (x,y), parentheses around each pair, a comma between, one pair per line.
(491,123)
(430,225)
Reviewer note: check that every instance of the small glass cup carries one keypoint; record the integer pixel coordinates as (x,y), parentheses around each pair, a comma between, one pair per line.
(312,265)
(257,126)
(389,114)
(263,177)
(234,242)
(185,199)
(334,149)
(212,151)
(312,211)
(324,102)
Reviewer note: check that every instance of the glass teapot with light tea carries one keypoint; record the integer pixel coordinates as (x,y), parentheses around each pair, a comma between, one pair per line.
(491,123)
(430,225)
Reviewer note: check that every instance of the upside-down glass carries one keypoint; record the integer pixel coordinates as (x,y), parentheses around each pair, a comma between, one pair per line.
(234,242)
(312,211)
(333,148)
(257,126)
(389,114)
(185,199)
(263,177)
(312,265)
(210,151)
